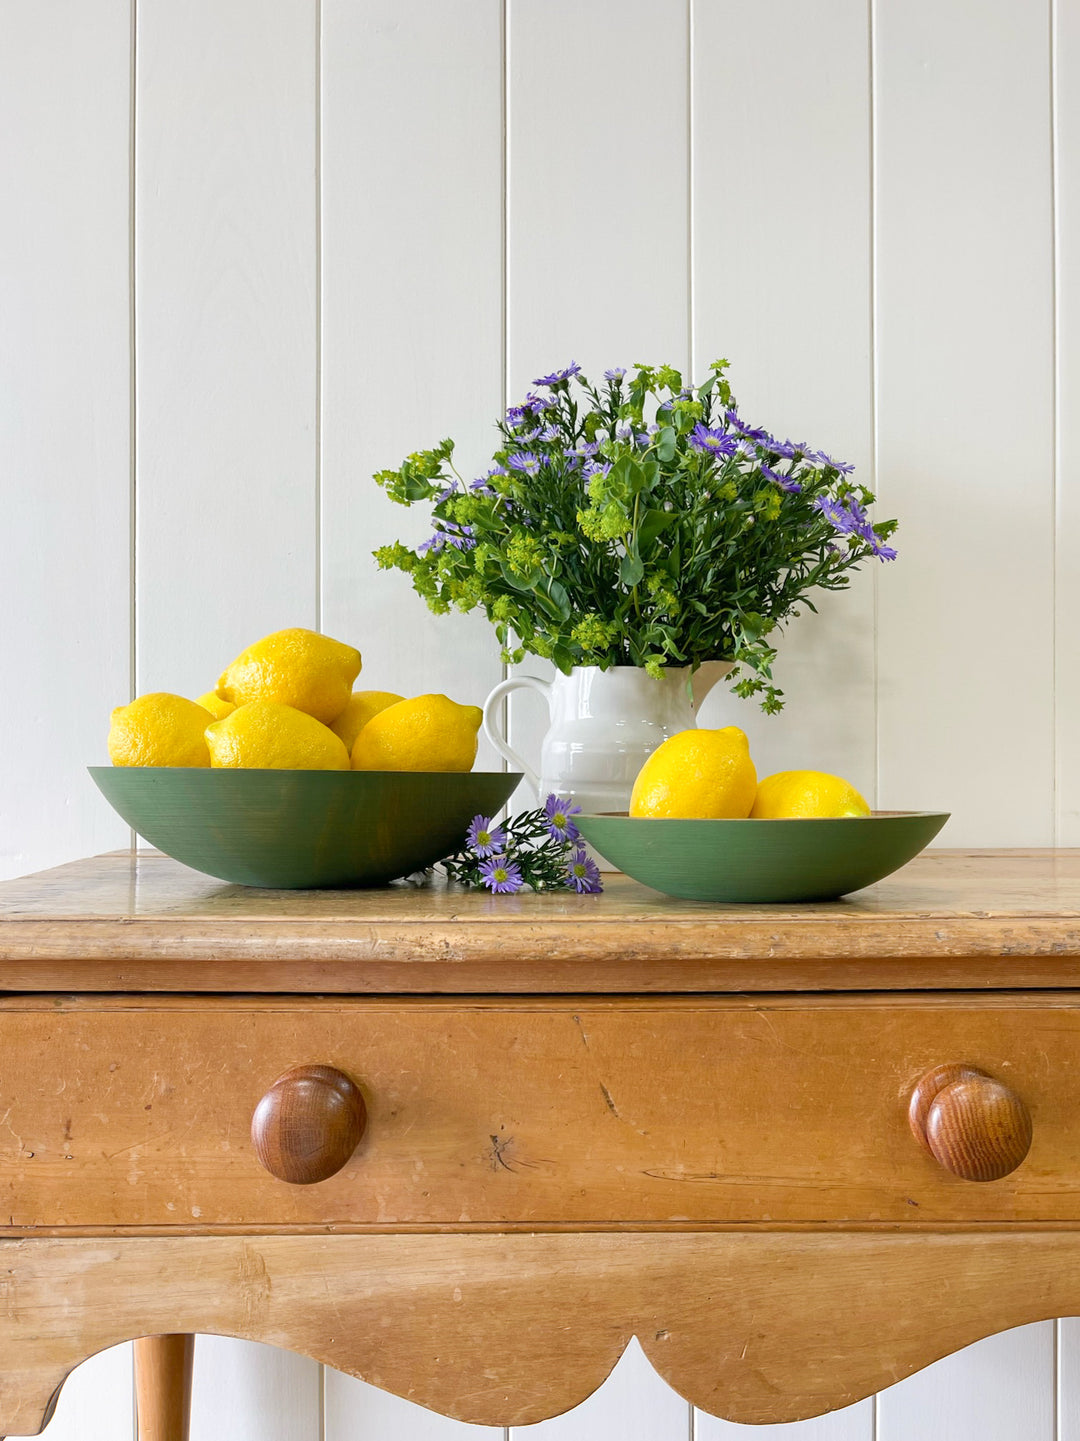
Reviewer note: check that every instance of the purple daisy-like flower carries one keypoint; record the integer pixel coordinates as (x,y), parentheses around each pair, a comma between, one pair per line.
(583,874)
(527,461)
(501,875)
(550,432)
(712,442)
(837,514)
(750,431)
(624,431)
(843,466)
(615,373)
(783,448)
(558,812)
(582,450)
(596,467)
(485,839)
(785,482)
(557,376)
(450,490)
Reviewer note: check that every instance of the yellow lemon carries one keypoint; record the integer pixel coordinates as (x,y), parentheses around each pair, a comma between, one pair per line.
(297,668)
(217,707)
(264,735)
(700,774)
(426,733)
(159,729)
(790,795)
(363,704)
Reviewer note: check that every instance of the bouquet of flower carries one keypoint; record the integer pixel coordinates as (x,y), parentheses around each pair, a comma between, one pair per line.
(638,522)
(540,848)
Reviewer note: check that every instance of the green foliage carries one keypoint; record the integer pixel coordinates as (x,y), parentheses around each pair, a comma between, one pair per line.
(638,523)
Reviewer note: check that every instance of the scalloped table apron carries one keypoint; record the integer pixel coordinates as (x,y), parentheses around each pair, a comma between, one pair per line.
(466,1147)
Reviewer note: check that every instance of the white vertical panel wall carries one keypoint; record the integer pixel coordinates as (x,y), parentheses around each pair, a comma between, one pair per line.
(257,249)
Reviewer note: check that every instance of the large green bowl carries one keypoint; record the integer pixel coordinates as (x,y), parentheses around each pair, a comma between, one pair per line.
(761,861)
(303,828)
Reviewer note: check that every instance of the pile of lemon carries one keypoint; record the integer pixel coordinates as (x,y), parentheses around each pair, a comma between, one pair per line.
(709,775)
(287,703)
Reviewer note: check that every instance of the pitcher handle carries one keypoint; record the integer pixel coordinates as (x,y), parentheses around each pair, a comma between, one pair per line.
(491,719)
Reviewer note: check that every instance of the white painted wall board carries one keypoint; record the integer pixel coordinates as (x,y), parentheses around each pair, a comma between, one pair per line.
(1068,1380)
(64,421)
(633,1404)
(412,312)
(355,1411)
(244,1392)
(225,331)
(853,1423)
(964,350)
(1067,558)
(97,1402)
(597,240)
(1000,1389)
(781,287)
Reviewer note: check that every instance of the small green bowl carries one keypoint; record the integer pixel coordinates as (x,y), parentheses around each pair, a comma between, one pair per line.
(291,829)
(761,861)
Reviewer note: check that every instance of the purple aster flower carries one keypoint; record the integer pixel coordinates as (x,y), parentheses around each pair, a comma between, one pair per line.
(485,839)
(783,448)
(582,450)
(501,875)
(558,812)
(838,515)
(435,544)
(558,376)
(615,373)
(843,466)
(583,874)
(712,442)
(461,537)
(450,490)
(883,552)
(785,482)
(596,467)
(641,439)
(750,431)
(526,461)
(624,431)
(550,432)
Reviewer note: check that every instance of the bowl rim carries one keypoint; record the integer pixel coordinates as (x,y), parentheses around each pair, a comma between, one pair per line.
(759,820)
(283,771)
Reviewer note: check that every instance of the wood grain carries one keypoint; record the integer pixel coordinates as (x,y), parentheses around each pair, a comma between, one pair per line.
(511,1329)
(308,1124)
(963,919)
(974,1126)
(163,1372)
(570,1113)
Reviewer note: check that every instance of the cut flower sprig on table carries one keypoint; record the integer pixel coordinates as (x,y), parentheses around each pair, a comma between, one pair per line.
(637,522)
(540,849)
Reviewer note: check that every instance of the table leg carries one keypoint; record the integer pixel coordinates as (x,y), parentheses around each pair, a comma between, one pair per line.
(163,1367)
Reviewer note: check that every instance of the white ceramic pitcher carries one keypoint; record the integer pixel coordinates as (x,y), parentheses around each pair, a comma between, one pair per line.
(604,723)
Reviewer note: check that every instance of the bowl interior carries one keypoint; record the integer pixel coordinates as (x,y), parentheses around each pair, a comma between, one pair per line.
(764,861)
(303,828)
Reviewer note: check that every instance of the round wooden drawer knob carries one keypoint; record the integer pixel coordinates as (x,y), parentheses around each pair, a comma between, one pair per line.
(308,1124)
(971,1124)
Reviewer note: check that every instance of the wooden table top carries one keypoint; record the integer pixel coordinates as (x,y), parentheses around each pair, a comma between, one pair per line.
(142,922)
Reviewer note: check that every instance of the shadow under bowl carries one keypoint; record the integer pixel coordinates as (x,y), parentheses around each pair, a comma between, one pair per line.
(294,829)
(764,862)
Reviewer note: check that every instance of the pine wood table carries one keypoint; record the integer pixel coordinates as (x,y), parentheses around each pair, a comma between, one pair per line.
(466,1147)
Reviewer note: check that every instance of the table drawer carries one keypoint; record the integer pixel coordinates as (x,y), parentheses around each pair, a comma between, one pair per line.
(529,1114)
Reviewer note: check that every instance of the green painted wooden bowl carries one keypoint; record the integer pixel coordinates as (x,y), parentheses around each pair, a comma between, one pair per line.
(761,861)
(302,828)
